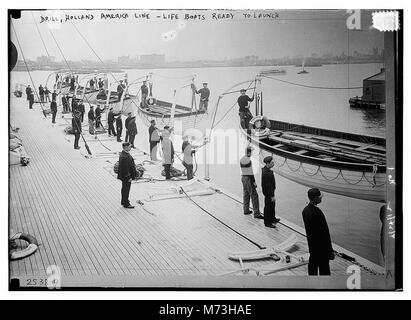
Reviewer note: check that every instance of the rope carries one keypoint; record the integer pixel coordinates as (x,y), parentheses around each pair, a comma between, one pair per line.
(235,103)
(339,254)
(98,57)
(28,71)
(312,87)
(38,30)
(222,222)
(79,129)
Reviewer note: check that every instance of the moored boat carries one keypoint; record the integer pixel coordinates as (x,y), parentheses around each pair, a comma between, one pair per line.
(165,112)
(342,163)
(336,162)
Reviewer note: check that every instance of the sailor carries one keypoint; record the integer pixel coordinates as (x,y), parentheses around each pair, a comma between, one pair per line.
(204,93)
(144,94)
(244,111)
(318,236)
(72,83)
(100,84)
(82,110)
(46,94)
(54,95)
(41,93)
(76,125)
(168,151)
(91,84)
(249,185)
(110,122)
(188,151)
(53,109)
(154,139)
(132,130)
(31,100)
(98,117)
(65,103)
(126,125)
(28,92)
(126,173)
(119,127)
(91,118)
(268,186)
(120,89)
(74,105)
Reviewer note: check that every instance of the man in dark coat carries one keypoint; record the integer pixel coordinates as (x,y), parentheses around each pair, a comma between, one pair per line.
(47,94)
(28,92)
(126,125)
(41,93)
(53,109)
(132,131)
(119,127)
(126,173)
(91,118)
(268,186)
(76,125)
(82,110)
(120,89)
(244,109)
(54,95)
(144,94)
(31,100)
(318,236)
(74,105)
(98,117)
(110,122)
(204,93)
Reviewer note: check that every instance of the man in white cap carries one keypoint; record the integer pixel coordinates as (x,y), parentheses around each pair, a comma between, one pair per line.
(249,185)
(318,236)
(168,151)
(244,109)
(204,93)
(110,122)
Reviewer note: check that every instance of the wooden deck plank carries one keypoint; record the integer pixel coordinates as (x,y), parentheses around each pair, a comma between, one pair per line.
(98,237)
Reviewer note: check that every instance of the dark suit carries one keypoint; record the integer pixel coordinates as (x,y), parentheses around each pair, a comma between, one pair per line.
(319,241)
(119,127)
(53,109)
(126,171)
(132,130)
(98,117)
(110,122)
(76,124)
(268,186)
(126,126)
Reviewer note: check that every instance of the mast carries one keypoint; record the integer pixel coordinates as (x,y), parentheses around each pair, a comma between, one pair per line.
(258,97)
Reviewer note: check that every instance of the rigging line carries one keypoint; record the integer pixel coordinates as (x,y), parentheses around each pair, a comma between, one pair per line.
(339,254)
(79,129)
(312,87)
(28,71)
(222,222)
(98,57)
(222,118)
(38,30)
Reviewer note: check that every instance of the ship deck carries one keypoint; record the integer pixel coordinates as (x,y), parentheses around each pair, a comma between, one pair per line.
(71,203)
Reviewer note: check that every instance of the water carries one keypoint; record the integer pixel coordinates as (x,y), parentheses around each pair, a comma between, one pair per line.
(354,224)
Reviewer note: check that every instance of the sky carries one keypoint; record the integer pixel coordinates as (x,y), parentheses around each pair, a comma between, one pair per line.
(281,33)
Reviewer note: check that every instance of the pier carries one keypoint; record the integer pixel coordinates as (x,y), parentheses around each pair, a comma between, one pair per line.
(70,202)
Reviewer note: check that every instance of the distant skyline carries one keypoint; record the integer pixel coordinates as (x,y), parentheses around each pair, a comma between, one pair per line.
(282,33)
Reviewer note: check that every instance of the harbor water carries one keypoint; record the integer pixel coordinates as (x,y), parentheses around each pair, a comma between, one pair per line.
(354,224)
